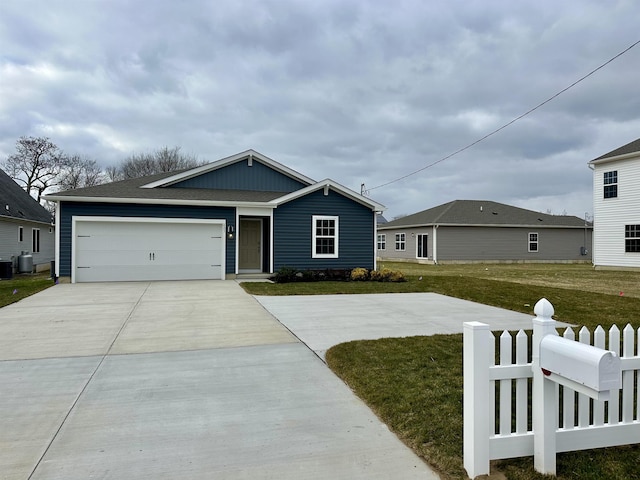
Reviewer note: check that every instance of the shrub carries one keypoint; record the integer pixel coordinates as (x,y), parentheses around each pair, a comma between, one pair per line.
(387,275)
(359,274)
(285,275)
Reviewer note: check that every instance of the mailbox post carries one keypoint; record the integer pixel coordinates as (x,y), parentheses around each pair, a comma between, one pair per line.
(558,361)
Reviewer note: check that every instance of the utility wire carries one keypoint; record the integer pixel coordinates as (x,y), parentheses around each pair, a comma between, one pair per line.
(508,123)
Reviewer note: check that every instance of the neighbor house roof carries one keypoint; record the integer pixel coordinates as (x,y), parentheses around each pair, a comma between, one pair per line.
(18,204)
(629,148)
(482,213)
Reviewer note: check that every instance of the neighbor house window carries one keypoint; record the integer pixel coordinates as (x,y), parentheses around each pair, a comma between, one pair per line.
(400,241)
(533,242)
(20,234)
(382,241)
(325,237)
(35,240)
(421,246)
(611,184)
(632,238)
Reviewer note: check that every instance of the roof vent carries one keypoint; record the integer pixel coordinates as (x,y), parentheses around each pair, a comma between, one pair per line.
(495,213)
(480,207)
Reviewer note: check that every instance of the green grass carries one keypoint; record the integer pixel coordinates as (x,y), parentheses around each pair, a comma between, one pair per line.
(415,384)
(22,286)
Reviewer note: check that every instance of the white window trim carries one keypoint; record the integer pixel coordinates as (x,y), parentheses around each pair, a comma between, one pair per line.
(20,234)
(403,241)
(382,241)
(35,235)
(418,235)
(315,218)
(537,242)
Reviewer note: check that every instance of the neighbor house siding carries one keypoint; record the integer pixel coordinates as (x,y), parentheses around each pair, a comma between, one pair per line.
(612,214)
(241,176)
(510,244)
(71,209)
(478,244)
(293,232)
(10,248)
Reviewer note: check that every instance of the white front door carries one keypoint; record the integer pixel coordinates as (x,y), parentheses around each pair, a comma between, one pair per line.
(138,249)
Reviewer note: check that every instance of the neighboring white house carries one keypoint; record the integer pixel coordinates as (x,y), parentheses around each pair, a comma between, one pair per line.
(616,207)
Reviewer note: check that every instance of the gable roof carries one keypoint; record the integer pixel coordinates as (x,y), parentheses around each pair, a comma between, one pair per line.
(248,155)
(626,150)
(18,204)
(152,189)
(483,213)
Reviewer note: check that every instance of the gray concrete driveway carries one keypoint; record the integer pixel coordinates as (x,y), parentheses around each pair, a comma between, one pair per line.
(321,321)
(168,380)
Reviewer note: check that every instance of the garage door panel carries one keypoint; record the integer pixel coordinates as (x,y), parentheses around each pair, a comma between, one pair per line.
(148,250)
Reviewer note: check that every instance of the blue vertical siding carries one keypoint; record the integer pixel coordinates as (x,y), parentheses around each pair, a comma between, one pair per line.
(240,176)
(293,232)
(70,209)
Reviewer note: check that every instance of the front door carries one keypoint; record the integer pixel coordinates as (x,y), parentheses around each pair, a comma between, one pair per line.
(250,249)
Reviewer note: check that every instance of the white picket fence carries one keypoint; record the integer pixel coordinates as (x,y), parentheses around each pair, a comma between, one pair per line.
(498,419)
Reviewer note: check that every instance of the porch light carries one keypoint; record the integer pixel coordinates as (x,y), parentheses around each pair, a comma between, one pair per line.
(230,231)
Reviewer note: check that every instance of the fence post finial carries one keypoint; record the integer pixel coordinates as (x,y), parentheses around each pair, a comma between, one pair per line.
(543,309)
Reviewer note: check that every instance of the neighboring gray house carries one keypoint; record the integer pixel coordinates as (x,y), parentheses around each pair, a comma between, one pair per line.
(467,231)
(25,226)
(616,207)
(244,214)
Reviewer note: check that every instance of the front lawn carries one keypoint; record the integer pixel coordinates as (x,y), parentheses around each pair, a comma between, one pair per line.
(415,384)
(21,286)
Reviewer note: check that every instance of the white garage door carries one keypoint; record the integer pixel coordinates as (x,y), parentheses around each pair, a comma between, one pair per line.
(146,249)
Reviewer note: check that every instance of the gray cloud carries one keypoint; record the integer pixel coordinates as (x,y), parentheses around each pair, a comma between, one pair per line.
(359,91)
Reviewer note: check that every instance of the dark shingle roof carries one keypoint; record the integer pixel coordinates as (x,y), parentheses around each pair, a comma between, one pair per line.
(630,147)
(16,203)
(481,212)
(130,189)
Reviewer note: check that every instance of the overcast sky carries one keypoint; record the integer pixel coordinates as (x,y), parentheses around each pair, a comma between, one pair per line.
(356,91)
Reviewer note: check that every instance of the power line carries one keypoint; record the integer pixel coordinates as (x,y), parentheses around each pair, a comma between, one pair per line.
(510,122)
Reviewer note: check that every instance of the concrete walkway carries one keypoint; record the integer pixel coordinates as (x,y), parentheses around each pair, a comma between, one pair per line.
(321,321)
(168,380)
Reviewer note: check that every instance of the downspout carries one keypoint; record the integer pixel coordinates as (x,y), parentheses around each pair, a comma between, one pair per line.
(435,244)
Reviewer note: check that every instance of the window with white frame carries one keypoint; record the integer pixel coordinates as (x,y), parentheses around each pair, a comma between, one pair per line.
(401,241)
(35,240)
(20,234)
(611,184)
(533,242)
(325,236)
(421,245)
(382,241)
(632,238)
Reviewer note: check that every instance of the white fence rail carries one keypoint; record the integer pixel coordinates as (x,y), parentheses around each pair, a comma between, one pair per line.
(500,401)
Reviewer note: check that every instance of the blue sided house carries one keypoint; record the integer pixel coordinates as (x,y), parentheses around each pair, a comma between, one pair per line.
(244,214)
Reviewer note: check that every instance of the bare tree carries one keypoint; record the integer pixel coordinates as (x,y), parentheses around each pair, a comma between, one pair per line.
(163,160)
(113,173)
(36,165)
(80,172)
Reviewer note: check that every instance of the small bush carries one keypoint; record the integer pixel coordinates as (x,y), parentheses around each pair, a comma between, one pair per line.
(285,275)
(359,274)
(387,275)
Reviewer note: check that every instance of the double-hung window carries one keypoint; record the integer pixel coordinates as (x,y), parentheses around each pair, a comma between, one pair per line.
(611,184)
(382,241)
(632,238)
(533,242)
(325,236)
(401,241)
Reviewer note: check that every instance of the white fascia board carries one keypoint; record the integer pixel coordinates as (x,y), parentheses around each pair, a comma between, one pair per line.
(626,156)
(24,220)
(159,201)
(227,161)
(328,183)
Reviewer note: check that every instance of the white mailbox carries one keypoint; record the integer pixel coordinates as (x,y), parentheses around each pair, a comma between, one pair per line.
(584,368)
